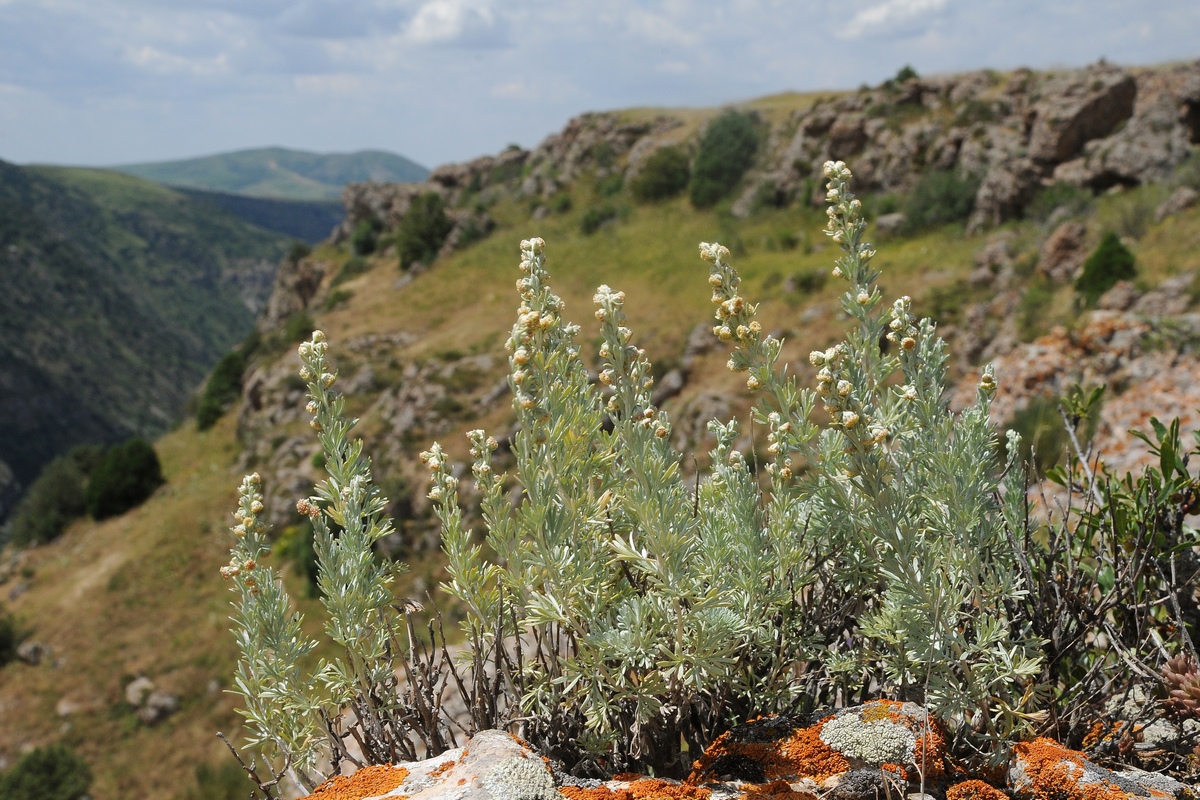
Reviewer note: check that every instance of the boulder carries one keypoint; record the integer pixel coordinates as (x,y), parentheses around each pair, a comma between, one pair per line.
(493,765)
(1007,187)
(1064,252)
(1043,768)
(847,136)
(890,224)
(1181,199)
(1120,297)
(1077,108)
(899,738)
(32,652)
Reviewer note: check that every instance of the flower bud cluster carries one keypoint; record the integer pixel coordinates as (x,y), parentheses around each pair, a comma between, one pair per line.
(845,225)
(539,327)
(250,532)
(902,328)
(445,485)
(627,370)
(735,318)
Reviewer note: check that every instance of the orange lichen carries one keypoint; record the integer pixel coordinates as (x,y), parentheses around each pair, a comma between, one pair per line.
(642,789)
(974,790)
(798,753)
(881,709)
(367,782)
(626,776)
(1054,772)
(442,770)
(776,790)
(1103,732)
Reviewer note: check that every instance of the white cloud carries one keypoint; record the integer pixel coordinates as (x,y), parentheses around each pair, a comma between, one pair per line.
(659,29)
(454,22)
(156,60)
(881,17)
(333,83)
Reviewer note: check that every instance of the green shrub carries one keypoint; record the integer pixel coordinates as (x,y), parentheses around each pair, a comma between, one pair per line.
(1044,440)
(1075,199)
(298,327)
(423,230)
(808,281)
(595,217)
(940,197)
(128,474)
(47,773)
(611,185)
(665,174)
(225,782)
(9,637)
(296,545)
(1110,262)
(337,298)
(560,203)
(352,268)
(727,150)
(222,389)
(905,73)
(298,251)
(51,503)
(365,237)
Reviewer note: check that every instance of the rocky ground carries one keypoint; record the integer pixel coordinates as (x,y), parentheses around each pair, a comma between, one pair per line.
(880,749)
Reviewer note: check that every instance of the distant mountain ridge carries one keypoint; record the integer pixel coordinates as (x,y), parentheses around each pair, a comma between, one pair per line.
(279,173)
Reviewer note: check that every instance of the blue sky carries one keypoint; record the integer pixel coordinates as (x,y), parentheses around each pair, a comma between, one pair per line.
(102,82)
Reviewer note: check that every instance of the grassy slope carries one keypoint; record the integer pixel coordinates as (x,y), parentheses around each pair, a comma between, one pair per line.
(149,580)
(119,301)
(280,173)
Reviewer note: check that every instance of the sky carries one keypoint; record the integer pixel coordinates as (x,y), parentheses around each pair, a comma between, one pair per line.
(104,82)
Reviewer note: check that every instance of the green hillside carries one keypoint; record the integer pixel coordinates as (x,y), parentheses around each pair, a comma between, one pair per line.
(307,220)
(120,295)
(277,172)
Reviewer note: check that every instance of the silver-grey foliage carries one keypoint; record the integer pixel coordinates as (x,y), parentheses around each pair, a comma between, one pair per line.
(621,608)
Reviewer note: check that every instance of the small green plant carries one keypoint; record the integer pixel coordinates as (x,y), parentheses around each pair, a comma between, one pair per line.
(727,150)
(127,475)
(423,230)
(595,218)
(1077,201)
(222,389)
(974,112)
(47,773)
(664,175)
(940,197)
(350,269)
(226,781)
(1110,262)
(51,503)
(365,237)
(1032,320)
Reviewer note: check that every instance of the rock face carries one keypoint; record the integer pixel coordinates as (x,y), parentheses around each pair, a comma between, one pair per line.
(1095,127)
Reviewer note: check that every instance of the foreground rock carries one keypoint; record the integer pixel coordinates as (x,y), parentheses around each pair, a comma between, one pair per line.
(882,748)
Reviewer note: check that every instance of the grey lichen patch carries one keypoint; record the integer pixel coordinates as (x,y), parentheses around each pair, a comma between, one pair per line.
(875,742)
(520,779)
